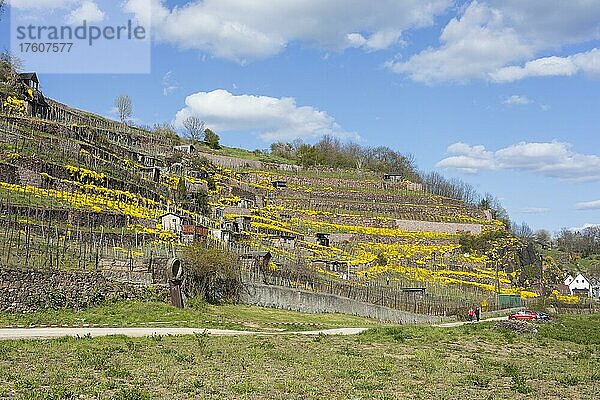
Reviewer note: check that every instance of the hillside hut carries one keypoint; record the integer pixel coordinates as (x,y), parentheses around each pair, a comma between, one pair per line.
(323,239)
(393,177)
(152,173)
(171,222)
(29,79)
(37,105)
(279,184)
(246,203)
(191,232)
(198,174)
(185,148)
(259,259)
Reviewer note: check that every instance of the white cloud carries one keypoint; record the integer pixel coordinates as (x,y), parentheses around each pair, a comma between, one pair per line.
(269,118)
(169,84)
(87,11)
(244,30)
(588,62)
(588,205)
(554,160)
(468,159)
(585,226)
(534,210)
(491,36)
(476,42)
(41,4)
(517,100)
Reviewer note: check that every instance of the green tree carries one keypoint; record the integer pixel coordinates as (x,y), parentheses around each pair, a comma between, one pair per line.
(181,193)
(211,139)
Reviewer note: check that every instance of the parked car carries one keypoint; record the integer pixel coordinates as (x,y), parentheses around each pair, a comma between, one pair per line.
(524,315)
(542,316)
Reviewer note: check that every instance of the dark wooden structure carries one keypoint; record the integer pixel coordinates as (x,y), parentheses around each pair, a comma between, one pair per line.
(279,184)
(323,239)
(30,79)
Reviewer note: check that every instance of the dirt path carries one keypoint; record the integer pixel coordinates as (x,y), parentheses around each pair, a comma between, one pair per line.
(56,332)
(52,333)
(460,323)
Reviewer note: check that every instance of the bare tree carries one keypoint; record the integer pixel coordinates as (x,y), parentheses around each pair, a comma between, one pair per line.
(9,69)
(2,8)
(543,237)
(124,107)
(523,230)
(195,127)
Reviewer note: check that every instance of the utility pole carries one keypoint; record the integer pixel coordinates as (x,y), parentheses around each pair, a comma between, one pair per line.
(497,287)
(542,288)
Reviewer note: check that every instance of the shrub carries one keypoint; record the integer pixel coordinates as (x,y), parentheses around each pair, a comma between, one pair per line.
(212,273)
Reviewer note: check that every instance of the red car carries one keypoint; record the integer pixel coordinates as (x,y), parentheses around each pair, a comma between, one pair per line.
(524,315)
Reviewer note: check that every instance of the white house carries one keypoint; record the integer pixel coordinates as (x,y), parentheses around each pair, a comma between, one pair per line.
(171,222)
(578,285)
(568,280)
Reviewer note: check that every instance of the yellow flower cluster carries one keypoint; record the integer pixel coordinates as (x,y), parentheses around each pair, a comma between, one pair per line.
(369,230)
(427,275)
(229,201)
(94,202)
(565,298)
(170,180)
(85,175)
(15,105)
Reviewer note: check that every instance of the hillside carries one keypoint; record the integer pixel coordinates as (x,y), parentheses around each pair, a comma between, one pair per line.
(79,191)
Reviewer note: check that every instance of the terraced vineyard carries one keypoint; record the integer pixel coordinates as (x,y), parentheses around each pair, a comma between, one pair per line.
(80,191)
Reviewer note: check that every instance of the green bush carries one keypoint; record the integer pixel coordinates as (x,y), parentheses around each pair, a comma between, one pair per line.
(212,272)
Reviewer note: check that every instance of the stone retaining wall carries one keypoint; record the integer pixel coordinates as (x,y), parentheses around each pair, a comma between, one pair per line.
(31,290)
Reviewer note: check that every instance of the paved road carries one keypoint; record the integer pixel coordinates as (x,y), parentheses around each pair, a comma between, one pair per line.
(50,333)
(460,323)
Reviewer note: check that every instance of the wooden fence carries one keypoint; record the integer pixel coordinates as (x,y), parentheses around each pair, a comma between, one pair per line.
(405,299)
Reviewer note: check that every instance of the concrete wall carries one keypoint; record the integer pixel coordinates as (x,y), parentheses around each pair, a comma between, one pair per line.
(304,301)
(442,227)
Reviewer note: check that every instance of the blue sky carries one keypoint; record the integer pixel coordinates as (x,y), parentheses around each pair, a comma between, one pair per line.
(503,94)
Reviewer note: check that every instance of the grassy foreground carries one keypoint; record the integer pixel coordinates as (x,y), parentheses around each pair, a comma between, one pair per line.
(561,361)
(196,314)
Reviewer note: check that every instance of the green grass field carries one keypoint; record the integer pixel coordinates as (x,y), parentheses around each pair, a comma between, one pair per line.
(560,361)
(196,314)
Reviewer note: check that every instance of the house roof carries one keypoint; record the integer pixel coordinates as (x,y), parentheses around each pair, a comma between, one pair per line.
(253,254)
(580,275)
(29,76)
(170,213)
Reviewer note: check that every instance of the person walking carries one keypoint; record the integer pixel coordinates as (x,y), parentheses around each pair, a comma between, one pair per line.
(477,313)
(471,314)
